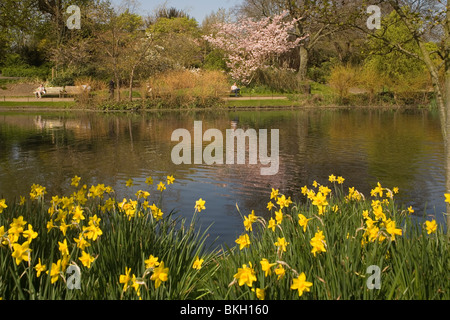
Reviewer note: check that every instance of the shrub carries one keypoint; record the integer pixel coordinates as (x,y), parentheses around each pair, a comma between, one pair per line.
(26,72)
(184,88)
(277,79)
(342,79)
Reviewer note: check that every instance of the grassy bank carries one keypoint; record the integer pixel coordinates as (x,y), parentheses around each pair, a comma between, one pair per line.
(209,89)
(322,248)
(38,104)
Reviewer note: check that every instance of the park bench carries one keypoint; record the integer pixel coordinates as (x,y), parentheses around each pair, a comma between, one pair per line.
(51,91)
(233,94)
(72,91)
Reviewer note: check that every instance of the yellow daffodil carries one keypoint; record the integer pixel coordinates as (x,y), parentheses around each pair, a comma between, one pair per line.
(39,268)
(248,221)
(392,230)
(372,232)
(365,214)
(151,262)
(332,178)
(320,201)
(447,197)
(340,180)
(161,186)
(377,191)
(55,271)
(149,181)
(98,191)
(301,284)
(21,252)
(431,226)
(282,244)
(86,259)
(246,275)
(410,210)
(125,278)
(303,221)
(63,248)
(318,243)
(280,271)
(37,192)
(243,241)
(266,266)
(16,229)
(92,231)
(30,234)
(304,190)
(270,205)
(129,183)
(160,274)
(274,194)
(3,205)
(156,212)
(198,263)
(283,202)
(271,224)
(75,181)
(378,212)
(170,180)
(311,194)
(50,225)
(248,224)
(63,227)
(142,194)
(200,205)
(77,214)
(260,293)
(81,242)
(325,190)
(279,216)
(18,222)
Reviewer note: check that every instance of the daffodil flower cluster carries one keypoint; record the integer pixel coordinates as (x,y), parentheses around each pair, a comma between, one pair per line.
(159,275)
(278,207)
(18,238)
(379,224)
(70,220)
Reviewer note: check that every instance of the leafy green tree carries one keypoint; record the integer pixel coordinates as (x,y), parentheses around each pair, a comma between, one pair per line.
(393,65)
(179,37)
(429,21)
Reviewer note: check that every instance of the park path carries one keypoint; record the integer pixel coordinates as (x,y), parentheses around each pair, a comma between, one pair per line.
(34,99)
(255,98)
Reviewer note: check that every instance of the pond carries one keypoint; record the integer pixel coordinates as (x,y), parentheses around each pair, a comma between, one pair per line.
(398,148)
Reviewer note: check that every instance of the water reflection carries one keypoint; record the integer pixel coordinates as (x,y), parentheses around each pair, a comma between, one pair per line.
(397,148)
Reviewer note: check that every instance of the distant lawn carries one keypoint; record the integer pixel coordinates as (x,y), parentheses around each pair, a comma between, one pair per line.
(43,104)
(262,103)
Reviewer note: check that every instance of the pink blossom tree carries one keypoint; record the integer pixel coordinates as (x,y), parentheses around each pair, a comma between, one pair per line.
(250,45)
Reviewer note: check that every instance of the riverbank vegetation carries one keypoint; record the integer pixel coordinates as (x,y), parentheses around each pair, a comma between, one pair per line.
(335,243)
(357,66)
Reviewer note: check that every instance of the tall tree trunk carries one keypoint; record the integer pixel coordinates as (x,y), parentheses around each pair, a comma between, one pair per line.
(303,66)
(447,108)
(118,88)
(130,95)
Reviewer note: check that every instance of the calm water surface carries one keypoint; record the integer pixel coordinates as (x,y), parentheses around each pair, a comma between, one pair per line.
(396,148)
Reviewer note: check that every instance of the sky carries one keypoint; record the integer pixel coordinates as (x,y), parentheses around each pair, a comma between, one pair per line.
(197,9)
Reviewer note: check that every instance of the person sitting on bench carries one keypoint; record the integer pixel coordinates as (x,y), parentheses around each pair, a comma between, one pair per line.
(40,91)
(235,89)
